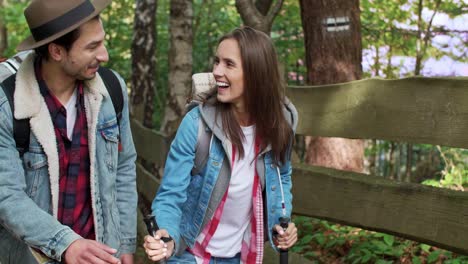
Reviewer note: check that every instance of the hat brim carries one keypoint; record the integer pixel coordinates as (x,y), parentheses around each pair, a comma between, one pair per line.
(30,43)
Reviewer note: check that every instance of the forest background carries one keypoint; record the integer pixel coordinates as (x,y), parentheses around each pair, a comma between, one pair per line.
(156,45)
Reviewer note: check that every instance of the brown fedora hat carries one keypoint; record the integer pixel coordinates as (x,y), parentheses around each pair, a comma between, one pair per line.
(48,20)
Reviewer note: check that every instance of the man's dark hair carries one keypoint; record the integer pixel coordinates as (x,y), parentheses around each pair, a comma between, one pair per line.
(65,41)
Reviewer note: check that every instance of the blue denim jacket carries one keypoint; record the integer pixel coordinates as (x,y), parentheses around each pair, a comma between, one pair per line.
(184,203)
(29,185)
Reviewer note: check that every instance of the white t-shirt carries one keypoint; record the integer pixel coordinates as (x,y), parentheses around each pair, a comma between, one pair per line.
(70,106)
(227,240)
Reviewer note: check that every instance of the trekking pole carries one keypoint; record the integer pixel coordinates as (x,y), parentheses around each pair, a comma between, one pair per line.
(284,222)
(152,227)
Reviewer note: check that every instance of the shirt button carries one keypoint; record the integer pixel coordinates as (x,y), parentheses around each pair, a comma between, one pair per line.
(273,188)
(52,252)
(215,163)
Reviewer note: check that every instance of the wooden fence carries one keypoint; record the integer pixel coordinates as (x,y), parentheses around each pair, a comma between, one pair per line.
(414,110)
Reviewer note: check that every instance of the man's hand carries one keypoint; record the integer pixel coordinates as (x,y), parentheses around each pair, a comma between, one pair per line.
(126,258)
(90,251)
(285,238)
(155,248)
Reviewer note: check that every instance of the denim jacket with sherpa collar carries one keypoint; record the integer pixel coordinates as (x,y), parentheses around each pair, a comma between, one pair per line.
(29,184)
(184,203)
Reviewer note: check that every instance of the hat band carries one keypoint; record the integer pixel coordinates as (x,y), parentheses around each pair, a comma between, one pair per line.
(62,22)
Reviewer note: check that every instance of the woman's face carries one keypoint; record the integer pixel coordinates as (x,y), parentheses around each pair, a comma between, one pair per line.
(229,74)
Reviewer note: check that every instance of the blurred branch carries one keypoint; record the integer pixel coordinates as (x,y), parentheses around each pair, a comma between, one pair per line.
(435,31)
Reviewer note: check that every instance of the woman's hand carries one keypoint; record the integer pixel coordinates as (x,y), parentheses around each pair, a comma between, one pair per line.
(155,248)
(285,238)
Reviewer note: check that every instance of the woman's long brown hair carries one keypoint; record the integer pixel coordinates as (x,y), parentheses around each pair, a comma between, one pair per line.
(264,94)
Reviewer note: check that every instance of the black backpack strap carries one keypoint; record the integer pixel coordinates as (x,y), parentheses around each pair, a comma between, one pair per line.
(21,128)
(115,90)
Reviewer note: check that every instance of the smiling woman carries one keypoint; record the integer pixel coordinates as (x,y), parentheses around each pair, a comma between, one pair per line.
(218,214)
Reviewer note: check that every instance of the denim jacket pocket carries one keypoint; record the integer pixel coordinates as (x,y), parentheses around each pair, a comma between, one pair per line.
(110,134)
(35,167)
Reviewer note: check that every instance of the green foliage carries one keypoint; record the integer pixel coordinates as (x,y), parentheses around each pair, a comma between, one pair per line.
(288,37)
(15,22)
(455,172)
(119,35)
(390,29)
(325,242)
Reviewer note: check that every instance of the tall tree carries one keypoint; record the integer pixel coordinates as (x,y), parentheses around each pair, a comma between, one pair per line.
(332,35)
(259,14)
(144,61)
(180,63)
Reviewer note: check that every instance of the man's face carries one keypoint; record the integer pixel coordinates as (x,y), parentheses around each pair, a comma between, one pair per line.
(87,52)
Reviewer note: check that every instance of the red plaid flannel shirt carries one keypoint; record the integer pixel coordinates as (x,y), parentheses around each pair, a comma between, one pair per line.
(74,207)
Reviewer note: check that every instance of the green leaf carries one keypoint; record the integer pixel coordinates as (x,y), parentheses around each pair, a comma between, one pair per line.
(306,239)
(416,260)
(382,261)
(433,256)
(320,238)
(381,245)
(425,247)
(366,258)
(389,239)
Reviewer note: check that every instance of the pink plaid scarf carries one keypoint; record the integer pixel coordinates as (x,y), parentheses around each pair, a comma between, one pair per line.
(252,244)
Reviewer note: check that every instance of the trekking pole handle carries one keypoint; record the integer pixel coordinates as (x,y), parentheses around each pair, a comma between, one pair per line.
(152,227)
(284,222)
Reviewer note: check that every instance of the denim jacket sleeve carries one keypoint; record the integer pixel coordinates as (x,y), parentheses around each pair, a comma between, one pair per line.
(18,213)
(285,171)
(127,196)
(167,206)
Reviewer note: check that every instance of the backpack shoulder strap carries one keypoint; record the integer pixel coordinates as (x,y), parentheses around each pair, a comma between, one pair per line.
(202,148)
(21,128)
(115,90)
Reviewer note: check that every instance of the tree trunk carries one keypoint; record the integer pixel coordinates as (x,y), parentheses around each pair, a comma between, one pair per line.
(180,63)
(3,34)
(263,6)
(332,33)
(259,15)
(144,62)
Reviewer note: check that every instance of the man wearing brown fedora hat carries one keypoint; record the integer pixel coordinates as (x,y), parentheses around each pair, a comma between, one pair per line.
(70,196)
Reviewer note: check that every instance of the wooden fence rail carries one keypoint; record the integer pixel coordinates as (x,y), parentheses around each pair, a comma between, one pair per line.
(416,110)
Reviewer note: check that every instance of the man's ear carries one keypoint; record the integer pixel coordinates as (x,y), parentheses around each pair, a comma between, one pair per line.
(56,52)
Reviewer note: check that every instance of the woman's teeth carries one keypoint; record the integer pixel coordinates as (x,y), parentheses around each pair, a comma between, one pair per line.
(222,84)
